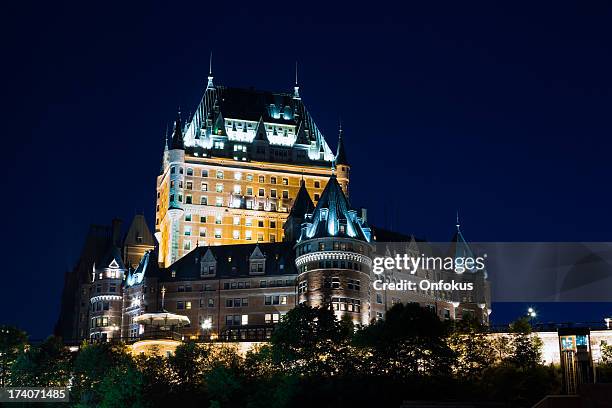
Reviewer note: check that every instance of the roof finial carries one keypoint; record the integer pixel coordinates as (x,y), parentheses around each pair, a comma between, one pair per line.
(166,138)
(296,88)
(210,75)
(458,220)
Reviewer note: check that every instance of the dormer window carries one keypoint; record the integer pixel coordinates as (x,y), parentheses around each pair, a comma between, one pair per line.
(257,262)
(257,267)
(208,264)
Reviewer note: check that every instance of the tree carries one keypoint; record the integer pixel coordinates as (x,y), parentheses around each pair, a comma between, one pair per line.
(310,341)
(12,343)
(48,364)
(410,341)
(93,363)
(122,387)
(472,346)
(526,349)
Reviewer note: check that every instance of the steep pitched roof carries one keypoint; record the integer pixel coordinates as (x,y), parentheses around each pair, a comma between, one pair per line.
(110,257)
(341,151)
(232,261)
(303,203)
(139,233)
(334,217)
(177,134)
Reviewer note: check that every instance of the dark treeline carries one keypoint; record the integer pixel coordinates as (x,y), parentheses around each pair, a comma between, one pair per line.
(312,360)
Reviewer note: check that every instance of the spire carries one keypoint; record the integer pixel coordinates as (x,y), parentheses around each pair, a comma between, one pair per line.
(341,151)
(458,221)
(166,139)
(296,88)
(210,75)
(177,135)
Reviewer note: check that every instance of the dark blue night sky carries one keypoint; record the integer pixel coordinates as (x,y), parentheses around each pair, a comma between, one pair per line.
(500,111)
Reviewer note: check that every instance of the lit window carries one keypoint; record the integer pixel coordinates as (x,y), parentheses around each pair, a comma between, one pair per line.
(217,233)
(204,186)
(237,189)
(237,220)
(219,174)
(245,320)
(219,201)
(236,234)
(218,219)
(249,177)
(219,188)
(187,230)
(248,235)
(187,305)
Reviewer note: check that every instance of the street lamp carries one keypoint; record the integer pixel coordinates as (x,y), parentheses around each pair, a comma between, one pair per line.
(207,325)
(531,312)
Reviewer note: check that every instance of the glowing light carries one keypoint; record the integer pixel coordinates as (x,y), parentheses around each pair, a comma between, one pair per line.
(207,324)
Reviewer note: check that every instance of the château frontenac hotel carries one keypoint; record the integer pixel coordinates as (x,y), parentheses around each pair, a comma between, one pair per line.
(252,218)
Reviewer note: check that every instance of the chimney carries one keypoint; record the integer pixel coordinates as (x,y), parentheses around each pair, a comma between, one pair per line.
(116,231)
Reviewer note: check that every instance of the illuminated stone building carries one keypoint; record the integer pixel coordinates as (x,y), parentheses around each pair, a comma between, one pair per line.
(231,174)
(252,218)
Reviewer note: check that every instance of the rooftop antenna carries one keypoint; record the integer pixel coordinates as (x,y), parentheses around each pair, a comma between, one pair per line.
(166,138)
(296,88)
(458,220)
(210,75)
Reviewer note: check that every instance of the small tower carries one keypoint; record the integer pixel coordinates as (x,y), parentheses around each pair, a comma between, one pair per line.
(175,190)
(477,301)
(106,300)
(333,256)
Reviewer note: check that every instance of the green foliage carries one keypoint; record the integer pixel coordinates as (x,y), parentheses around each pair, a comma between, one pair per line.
(93,363)
(312,360)
(12,344)
(122,387)
(45,365)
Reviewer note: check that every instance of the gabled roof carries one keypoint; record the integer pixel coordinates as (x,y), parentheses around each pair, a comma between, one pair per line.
(233,261)
(334,217)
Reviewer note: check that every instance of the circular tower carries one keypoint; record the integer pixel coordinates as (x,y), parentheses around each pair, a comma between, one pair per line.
(333,257)
(106,300)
